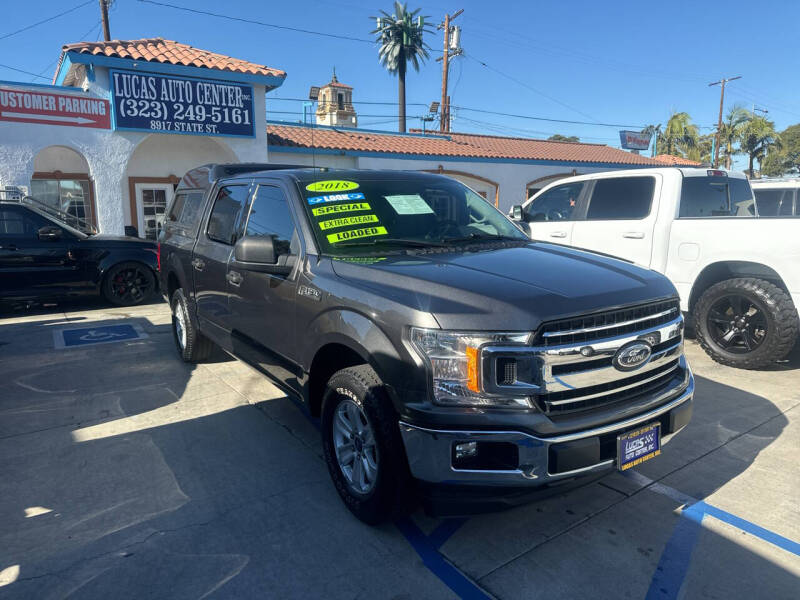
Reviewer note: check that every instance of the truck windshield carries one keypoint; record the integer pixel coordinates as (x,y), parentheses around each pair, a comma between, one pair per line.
(356,217)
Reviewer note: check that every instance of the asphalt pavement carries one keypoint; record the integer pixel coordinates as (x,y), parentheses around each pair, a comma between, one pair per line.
(129,474)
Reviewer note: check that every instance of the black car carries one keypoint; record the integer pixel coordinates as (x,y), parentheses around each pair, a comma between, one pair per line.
(443,350)
(42,258)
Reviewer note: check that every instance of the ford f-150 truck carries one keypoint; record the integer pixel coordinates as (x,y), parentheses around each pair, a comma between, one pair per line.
(444,351)
(738,274)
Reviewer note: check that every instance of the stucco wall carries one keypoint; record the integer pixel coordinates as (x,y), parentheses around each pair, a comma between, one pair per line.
(108,153)
(511,178)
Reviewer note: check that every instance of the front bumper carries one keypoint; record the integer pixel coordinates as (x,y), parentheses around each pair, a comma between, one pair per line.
(541,460)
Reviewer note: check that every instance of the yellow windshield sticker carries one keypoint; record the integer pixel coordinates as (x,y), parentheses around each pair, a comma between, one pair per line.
(341,222)
(340,208)
(352,234)
(332,185)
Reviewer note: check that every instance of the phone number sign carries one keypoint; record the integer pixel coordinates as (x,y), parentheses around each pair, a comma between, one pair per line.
(166,104)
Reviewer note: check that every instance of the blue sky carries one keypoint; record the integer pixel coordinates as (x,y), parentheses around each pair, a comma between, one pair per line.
(621,62)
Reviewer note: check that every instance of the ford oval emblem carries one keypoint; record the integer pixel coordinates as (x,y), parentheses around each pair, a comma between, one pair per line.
(632,356)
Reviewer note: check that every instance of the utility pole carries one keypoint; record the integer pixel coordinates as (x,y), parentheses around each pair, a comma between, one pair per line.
(104,4)
(444,119)
(721,83)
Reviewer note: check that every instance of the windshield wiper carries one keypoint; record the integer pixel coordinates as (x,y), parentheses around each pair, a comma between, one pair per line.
(414,243)
(472,237)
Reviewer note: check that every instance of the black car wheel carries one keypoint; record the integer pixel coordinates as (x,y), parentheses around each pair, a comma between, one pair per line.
(747,323)
(192,345)
(129,284)
(362,445)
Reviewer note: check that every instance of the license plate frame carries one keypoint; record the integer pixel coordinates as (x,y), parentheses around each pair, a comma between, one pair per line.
(638,445)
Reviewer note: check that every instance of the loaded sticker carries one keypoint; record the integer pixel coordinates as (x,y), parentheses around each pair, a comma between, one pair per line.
(352,234)
(336,198)
(340,208)
(341,222)
(332,185)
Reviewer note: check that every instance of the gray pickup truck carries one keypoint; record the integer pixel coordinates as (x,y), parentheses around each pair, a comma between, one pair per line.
(445,353)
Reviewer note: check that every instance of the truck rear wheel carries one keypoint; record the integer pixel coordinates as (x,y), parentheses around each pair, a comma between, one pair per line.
(192,345)
(362,445)
(746,322)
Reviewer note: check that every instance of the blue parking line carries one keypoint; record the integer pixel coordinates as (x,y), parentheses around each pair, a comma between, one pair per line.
(445,530)
(673,566)
(453,578)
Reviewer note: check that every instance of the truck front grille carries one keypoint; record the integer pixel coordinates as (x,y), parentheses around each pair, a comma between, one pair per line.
(571,366)
(608,324)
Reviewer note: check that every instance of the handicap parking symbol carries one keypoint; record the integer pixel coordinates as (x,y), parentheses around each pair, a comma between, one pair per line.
(84,336)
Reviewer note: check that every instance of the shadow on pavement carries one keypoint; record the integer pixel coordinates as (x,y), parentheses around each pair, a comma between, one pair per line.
(127,473)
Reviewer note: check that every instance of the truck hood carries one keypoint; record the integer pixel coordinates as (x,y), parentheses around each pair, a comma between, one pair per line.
(511,289)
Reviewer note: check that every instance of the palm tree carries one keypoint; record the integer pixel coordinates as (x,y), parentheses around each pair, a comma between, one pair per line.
(400,37)
(731,131)
(757,137)
(680,134)
(654,131)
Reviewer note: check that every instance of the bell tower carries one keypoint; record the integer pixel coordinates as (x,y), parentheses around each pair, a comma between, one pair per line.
(335,104)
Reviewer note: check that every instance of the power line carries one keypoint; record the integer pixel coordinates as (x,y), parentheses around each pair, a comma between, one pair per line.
(256,22)
(47,20)
(23,71)
(525,85)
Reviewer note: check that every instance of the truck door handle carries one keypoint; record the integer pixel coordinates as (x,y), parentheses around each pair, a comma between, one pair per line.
(234,278)
(558,234)
(198,264)
(634,235)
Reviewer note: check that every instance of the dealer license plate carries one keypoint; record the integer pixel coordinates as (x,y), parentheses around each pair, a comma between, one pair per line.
(635,447)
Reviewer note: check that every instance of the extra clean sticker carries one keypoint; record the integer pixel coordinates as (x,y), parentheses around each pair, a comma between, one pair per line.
(332,185)
(336,198)
(353,234)
(357,220)
(340,208)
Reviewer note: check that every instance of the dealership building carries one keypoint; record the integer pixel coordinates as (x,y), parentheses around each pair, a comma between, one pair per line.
(122,121)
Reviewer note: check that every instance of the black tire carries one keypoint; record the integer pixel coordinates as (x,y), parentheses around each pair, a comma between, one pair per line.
(129,284)
(192,345)
(767,334)
(388,494)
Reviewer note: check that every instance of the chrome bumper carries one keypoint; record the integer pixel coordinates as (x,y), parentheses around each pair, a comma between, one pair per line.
(429,451)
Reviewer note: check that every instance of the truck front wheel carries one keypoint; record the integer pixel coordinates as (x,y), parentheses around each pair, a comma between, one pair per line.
(362,445)
(746,322)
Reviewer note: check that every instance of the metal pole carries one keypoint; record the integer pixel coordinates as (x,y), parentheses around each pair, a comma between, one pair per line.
(721,82)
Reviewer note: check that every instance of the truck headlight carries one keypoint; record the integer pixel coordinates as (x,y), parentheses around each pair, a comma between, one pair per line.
(454,361)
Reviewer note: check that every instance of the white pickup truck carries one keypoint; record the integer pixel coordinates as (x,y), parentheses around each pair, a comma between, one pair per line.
(739,276)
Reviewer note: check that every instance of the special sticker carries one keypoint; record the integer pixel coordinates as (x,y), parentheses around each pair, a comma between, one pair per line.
(332,185)
(335,198)
(353,234)
(341,222)
(340,208)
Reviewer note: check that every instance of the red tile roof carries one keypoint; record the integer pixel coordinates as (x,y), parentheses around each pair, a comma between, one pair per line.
(171,52)
(675,161)
(466,145)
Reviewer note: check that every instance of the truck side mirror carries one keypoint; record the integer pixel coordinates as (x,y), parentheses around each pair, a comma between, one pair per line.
(257,253)
(49,233)
(516,212)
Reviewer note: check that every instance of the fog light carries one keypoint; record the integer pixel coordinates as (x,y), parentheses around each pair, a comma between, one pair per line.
(466,450)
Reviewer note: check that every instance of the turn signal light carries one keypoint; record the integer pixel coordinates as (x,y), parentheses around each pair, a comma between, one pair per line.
(472,369)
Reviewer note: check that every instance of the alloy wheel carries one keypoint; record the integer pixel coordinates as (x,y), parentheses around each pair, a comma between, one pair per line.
(737,324)
(354,443)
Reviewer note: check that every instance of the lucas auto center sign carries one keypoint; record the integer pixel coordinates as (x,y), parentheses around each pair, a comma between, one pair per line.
(168,104)
(46,108)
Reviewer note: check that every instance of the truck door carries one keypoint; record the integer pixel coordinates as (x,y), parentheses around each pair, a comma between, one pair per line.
(620,217)
(263,304)
(550,216)
(210,260)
